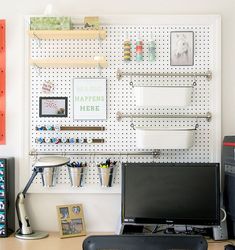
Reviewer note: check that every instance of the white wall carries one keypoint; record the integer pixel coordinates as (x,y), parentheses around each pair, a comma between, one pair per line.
(98,214)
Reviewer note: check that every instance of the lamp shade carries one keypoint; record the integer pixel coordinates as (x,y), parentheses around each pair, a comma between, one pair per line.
(51,161)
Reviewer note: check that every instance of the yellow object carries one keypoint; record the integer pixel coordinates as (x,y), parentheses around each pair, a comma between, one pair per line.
(127,51)
(68,34)
(69,62)
(92,22)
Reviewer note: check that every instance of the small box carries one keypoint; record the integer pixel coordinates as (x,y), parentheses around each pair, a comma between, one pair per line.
(92,22)
(50,23)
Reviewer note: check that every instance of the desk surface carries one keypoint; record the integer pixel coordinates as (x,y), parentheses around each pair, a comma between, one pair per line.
(53,242)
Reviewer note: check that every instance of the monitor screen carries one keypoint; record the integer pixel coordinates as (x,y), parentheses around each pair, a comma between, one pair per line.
(171,193)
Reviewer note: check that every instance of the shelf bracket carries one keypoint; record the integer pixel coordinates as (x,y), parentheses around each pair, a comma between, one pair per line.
(39,40)
(38,68)
(99,67)
(209,75)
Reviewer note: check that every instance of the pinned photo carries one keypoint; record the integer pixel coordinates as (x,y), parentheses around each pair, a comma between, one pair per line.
(53,106)
(182,48)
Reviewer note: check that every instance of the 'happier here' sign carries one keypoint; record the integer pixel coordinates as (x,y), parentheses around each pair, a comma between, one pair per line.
(89,99)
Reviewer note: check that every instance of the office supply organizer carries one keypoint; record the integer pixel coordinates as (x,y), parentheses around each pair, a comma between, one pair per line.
(7,196)
(119,137)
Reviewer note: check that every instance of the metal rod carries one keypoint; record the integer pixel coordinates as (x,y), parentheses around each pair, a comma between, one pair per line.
(153,153)
(160,86)
(121,74)
(120,115)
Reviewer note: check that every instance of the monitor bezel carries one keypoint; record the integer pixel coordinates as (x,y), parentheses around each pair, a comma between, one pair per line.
(173,221)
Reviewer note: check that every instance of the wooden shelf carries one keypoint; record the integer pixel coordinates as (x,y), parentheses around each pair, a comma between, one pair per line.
(70,62)
(68,34)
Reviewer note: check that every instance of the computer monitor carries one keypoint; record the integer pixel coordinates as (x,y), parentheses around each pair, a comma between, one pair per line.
(171,193)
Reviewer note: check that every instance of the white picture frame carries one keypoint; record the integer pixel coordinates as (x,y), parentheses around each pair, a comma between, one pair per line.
(182,48)
(90,99)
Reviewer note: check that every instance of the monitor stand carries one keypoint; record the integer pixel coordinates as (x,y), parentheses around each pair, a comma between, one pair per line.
(131,229)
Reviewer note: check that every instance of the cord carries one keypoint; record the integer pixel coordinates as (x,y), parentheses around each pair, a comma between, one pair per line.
(225,214)
(155,230)
(147,229)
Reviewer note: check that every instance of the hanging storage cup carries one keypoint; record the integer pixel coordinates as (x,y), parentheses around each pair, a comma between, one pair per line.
(49,176)
(106,175)
(76,176)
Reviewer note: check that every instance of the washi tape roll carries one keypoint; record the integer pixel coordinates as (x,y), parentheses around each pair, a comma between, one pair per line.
(139,50)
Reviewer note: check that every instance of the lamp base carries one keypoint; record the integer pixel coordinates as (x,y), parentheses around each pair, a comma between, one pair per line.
(33,236)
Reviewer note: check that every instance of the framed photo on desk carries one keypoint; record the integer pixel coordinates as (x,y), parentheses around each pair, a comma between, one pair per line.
(71,220)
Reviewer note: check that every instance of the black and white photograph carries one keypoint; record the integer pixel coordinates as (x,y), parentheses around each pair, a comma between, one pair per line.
(182,48)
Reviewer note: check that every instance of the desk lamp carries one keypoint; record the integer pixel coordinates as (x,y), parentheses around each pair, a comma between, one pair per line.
(25,231)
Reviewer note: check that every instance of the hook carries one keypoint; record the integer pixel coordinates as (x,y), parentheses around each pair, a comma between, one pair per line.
(120,158)
(38,68)
(132,124)
(195,80)
(156,153)
(99,69)
(39,40)
(131,82)
(153,157)
(34,153)
(93,160)
(196,126)
(89,161)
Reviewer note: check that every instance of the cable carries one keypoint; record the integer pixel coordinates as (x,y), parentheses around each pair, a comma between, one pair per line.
(225,214)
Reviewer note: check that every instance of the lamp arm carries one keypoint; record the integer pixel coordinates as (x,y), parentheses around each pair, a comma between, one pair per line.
(23,219)
(35,172)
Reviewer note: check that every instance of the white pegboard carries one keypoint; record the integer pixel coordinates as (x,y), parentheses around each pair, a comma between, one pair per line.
(119,136)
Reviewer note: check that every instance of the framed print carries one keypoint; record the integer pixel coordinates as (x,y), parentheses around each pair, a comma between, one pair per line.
(53,106)
(89,99)
(71,220)
(182,48)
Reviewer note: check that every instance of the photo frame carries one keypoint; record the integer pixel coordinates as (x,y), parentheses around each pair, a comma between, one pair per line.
(53,106)
(90,99)
(182,48)
(71,220)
